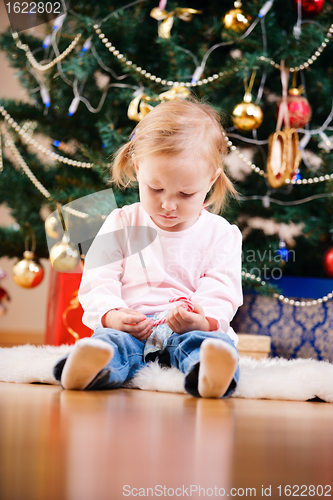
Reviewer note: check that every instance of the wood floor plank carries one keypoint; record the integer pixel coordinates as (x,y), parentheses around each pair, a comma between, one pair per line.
(72,445)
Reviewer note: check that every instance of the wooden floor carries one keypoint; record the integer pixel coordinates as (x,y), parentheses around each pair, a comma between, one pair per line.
(69,445)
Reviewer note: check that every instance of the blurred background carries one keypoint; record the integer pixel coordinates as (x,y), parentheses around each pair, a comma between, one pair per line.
(26,312)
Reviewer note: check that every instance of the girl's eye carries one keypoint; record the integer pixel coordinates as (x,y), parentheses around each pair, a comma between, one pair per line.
(155,190)
(187,194)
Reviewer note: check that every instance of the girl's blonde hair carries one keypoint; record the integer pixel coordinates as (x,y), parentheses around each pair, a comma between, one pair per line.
(177,128)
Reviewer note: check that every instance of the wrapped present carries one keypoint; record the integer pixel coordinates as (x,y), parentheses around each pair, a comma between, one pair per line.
(254,346)
(64,312)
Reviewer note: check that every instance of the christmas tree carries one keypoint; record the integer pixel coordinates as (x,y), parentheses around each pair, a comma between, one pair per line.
(101,66)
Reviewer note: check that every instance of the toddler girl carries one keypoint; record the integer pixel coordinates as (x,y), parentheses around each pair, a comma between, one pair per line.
(162,279)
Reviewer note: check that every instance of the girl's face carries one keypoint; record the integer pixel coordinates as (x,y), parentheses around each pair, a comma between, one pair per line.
(173,189)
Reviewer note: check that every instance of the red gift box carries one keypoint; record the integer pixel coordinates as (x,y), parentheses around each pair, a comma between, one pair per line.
(64,312)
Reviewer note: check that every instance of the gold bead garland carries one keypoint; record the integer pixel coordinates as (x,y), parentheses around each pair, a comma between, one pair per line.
(311,180)
(303,303)
(210,79)
(25,167)
(148,75)
(243,158)
(311,59)
(29,140)
(10,143)
(286,300)
(32,60)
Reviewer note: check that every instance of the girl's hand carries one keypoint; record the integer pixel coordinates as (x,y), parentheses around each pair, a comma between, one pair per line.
(130,321)
(180,320)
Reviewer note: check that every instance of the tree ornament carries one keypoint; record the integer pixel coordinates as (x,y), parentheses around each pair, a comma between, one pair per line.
(328,262)
(177,92)
(27,273)
(164,28)
(247,115)
(277,159)
(284,155)
(139,107)
(309,7)
(299,109)
(236,20)
(53,227)
(64,256)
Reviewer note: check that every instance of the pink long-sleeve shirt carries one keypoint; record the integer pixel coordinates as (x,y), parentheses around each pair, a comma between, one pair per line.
(132,263)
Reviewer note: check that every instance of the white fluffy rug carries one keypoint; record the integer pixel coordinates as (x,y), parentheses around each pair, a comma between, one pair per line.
(273,378)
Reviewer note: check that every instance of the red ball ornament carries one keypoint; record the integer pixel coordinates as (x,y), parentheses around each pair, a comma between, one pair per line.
(310,7)
(328,262)
(299,109)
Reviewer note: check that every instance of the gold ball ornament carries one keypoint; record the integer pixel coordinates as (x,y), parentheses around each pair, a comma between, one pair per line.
(64,256)
(27,273)
(247,115)
(236,20)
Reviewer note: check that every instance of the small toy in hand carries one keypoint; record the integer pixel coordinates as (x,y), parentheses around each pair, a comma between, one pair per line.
(186,302)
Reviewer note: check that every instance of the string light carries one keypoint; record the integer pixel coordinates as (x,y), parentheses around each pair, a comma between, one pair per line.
(59,22)
(265,8)
(79,98)
(47,41)
(74,105)
(266,199)
(45,95)
(106,68)
(87,44)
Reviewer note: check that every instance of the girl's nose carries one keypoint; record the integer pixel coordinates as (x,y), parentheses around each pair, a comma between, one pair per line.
(169,204)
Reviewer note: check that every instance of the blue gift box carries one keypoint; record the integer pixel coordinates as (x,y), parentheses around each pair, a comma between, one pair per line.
(296,332)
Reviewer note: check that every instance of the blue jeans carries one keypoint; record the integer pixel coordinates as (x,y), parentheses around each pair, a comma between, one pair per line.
(181,351)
